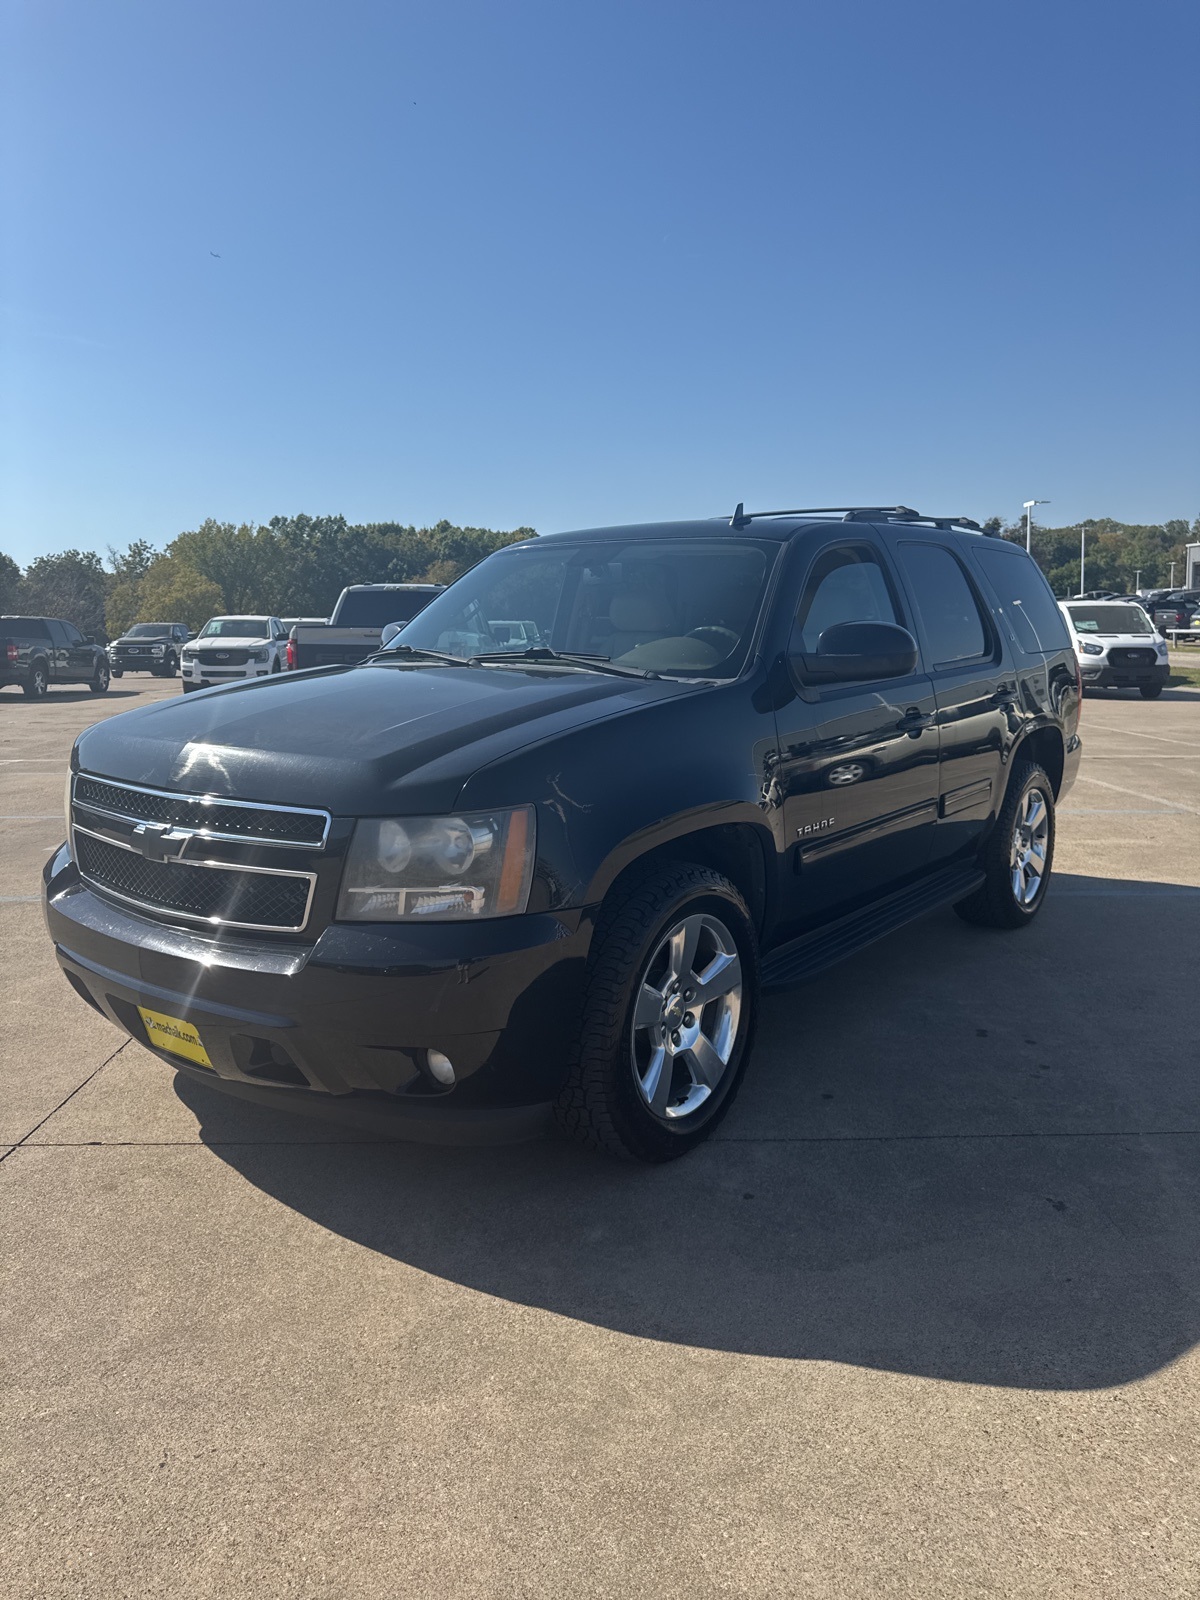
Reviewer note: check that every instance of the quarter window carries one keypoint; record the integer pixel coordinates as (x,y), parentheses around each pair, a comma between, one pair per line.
(953,625)
(846,585)
(1025,596)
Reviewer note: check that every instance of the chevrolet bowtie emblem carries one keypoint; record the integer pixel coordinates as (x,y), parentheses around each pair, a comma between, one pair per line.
(159,842)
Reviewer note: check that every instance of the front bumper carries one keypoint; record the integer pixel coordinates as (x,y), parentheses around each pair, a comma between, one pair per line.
(341,1027)
(1101,674)
(205,678)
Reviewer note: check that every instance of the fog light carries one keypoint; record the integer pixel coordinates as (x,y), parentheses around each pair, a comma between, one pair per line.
(440,1066)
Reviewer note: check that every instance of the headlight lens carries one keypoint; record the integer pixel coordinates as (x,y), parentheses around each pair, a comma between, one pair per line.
(259,655)
(157,649)
(1092,649)
(439,869)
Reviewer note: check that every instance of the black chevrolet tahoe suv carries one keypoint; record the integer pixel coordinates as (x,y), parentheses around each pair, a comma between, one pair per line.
(37,652)
(538,856)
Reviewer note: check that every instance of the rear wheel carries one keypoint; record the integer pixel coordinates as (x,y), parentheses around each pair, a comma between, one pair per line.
(99,684)
(668,1017)
(1018,855)
(38,681)
(1150,691)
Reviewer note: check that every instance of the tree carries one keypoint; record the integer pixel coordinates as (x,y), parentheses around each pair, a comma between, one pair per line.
(172,591)
(10,585)
(131,566)
(72,585)
(245,562)
(122,607)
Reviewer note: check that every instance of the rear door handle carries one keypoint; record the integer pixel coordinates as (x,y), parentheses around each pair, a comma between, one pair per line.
(914,719)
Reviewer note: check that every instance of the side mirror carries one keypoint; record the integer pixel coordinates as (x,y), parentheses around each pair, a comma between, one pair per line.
(857,652)
(390,632)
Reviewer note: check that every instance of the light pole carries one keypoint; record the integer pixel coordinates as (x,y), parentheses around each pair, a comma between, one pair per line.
(1083,528)
(1172,574)
(1137,582)
(1029,505)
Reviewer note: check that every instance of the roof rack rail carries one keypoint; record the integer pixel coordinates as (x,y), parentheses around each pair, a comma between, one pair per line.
(741,516)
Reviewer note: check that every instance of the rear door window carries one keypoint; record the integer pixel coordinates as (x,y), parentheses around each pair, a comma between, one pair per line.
(954,627)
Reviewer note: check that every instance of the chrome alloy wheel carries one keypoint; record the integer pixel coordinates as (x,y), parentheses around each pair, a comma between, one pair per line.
(1031,835)
(685,1018)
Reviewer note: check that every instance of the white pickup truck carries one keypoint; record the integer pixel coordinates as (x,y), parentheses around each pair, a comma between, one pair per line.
(360,616)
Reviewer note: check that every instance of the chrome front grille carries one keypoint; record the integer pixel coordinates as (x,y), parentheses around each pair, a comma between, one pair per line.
(184,856)
(236,897)
(206,814)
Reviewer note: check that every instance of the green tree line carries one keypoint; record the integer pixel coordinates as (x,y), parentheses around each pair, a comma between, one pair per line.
(1116,552)
(291,566)
(297,566)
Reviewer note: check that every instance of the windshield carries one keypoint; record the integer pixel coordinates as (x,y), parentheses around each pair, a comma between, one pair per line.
(375,608)
(1110,619)
(683,607)
(149,630)
(235,628)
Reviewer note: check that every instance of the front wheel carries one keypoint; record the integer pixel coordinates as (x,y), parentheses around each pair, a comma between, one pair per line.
(1150,691)
(99,684)
(668,1017)
(1018,855)
(117,672)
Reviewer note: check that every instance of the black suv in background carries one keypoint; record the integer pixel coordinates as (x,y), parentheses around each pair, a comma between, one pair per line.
(149,647)
(539,854)
(36,652)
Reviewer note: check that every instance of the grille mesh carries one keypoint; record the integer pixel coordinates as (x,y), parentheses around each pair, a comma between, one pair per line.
(266,900)
(223,658)
(1131,658)
(181,811)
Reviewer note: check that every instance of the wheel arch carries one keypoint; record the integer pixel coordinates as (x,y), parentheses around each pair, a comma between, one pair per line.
(741,851)
(1046,746)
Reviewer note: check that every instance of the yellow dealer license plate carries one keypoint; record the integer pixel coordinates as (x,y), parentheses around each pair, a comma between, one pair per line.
(170,1033)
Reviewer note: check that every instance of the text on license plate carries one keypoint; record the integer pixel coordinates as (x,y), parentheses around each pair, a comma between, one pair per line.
(175,1035)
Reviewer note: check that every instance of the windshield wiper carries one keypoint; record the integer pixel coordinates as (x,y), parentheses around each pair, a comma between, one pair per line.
(560,658)
(407,652)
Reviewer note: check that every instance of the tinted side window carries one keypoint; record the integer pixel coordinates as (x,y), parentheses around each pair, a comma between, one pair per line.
(1025,596)
(947,605)
(845,585)
(72,633)
(58,633)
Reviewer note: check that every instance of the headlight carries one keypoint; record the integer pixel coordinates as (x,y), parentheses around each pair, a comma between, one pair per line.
(157,649)
(1092,649)
(441,869)
(188,653)
(258,655)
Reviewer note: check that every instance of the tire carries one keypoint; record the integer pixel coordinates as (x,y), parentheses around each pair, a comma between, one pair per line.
(170,667)
(188,687)
(996,904)
(1150,691)
(116,672)
(99,684)
(275,667)
(614,1099)
(37,683)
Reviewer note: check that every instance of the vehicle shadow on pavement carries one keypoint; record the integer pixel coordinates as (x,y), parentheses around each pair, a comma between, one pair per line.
(960,1155)
(66,697)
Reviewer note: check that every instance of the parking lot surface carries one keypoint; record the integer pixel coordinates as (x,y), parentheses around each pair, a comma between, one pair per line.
(920,1320)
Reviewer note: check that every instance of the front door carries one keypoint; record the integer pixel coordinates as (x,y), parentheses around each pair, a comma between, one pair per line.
(858,762)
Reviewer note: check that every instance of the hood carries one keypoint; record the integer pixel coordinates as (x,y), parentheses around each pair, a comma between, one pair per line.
(129,638)
(1121,641)
(359,741)
(232,641)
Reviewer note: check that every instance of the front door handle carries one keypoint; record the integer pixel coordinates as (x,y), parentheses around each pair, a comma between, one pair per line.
(914,719)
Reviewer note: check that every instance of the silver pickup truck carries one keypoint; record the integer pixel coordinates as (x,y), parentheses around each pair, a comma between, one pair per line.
(360,616)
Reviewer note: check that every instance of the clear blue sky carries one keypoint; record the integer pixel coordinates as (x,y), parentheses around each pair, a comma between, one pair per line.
(575,263)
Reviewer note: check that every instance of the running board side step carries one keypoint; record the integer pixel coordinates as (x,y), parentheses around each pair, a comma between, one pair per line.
(811,953)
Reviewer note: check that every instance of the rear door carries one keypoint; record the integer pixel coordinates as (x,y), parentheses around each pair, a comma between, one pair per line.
(974,684)
(80,656)
(59,650)
(857,762)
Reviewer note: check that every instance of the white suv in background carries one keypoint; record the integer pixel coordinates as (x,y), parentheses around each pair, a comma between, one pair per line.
(1117,645)
(228,649)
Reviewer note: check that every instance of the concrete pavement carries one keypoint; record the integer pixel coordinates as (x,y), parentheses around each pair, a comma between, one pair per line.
(920,1321)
